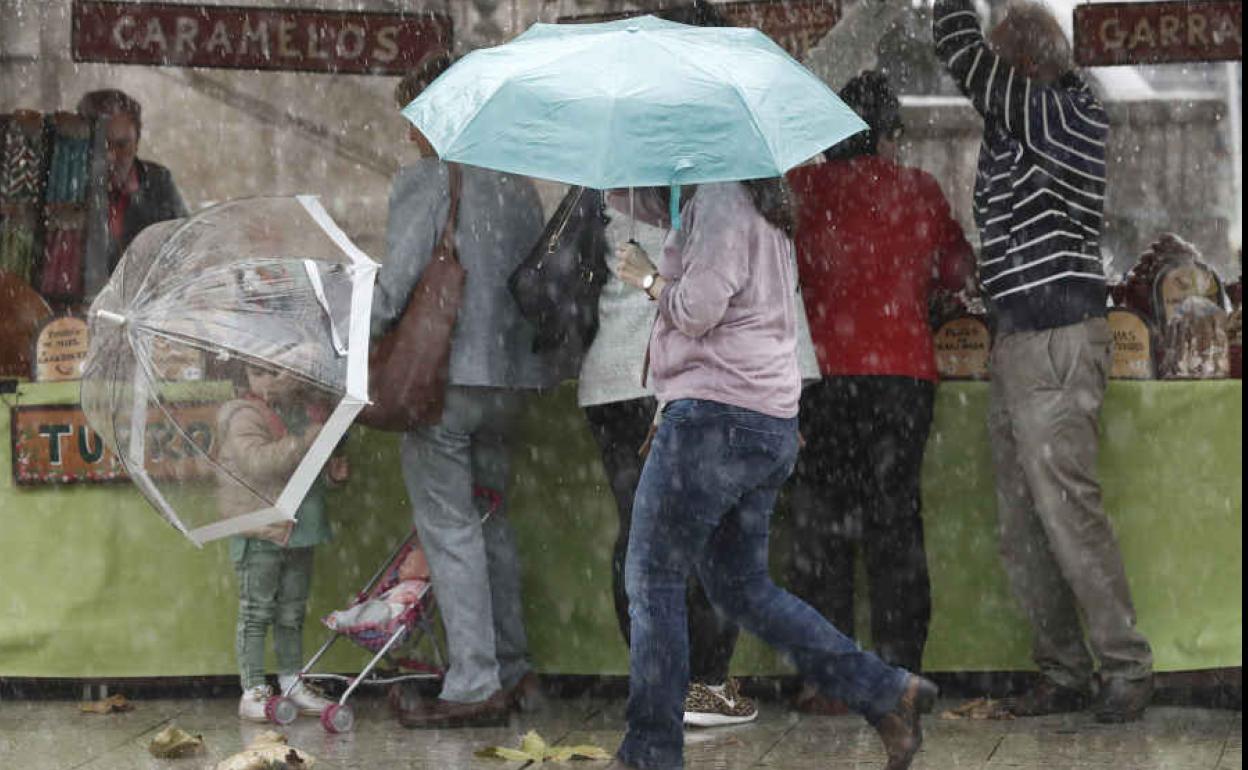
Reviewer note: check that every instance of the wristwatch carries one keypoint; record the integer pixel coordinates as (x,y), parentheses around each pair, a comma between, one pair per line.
(647,283)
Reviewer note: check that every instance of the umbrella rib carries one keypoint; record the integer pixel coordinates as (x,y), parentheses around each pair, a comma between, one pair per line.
(152,383)
(736,89)
(218,346)
(141,291)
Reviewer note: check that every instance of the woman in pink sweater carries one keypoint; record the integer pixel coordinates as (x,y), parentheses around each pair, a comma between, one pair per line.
(723,362)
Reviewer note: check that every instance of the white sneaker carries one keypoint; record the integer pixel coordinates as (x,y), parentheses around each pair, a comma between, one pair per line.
(310,700)
(251,705)
(712,705)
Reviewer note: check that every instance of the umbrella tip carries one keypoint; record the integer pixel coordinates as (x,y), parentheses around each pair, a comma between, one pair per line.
(116,318)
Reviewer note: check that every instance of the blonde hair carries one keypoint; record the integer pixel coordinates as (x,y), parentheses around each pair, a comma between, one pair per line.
(1031,36)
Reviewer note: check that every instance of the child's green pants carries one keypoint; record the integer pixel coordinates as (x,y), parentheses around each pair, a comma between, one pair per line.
(273,587)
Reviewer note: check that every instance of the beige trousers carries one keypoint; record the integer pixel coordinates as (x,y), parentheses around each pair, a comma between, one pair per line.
(1057,544)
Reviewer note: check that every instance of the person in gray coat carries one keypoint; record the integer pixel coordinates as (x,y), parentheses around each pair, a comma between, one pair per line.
(456,472)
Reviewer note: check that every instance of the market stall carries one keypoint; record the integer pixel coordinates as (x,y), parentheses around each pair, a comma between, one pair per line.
(94,584)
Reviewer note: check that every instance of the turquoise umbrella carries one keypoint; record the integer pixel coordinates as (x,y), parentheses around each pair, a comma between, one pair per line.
(633,103)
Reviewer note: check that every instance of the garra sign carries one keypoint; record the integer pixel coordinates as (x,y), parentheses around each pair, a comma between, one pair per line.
(55,445)
(1157,32)
(256,38)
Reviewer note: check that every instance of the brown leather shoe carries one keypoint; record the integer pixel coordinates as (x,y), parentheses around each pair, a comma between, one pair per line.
(438,713)
(526,695)
(811,701)
(1123,700)
(900,729)
(1047,697)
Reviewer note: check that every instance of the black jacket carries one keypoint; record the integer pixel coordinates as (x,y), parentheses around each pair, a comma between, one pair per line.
(156,200)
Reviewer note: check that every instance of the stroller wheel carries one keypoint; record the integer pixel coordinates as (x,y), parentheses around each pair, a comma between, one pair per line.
(281,710)
(338,718)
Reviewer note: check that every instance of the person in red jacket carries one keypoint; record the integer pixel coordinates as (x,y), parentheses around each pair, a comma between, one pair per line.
(873,240)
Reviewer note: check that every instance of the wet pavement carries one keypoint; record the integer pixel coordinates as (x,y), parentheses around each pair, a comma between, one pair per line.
(53,735)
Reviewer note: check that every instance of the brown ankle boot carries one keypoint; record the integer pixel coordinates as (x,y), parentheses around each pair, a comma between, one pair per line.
(1047,697)
(900,729)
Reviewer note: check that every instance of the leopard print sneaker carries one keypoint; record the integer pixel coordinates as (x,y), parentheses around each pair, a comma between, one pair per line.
(712,706)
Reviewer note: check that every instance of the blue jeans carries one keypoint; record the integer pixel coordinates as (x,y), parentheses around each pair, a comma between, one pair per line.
(704,503)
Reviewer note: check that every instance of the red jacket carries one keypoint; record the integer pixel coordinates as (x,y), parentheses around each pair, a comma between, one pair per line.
(872,239)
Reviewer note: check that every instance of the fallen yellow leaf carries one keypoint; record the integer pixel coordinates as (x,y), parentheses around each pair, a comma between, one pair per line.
(266,750)
(980,709)
(502,752)
(533,748)
(586,752)
(173,742)
(111,704)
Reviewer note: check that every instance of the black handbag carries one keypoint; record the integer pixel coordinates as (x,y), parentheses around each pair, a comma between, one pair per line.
(558,284)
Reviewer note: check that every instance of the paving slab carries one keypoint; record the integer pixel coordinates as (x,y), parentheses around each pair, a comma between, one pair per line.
(53,735)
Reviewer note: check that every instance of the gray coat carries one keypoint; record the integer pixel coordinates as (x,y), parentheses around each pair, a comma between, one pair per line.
(500,218)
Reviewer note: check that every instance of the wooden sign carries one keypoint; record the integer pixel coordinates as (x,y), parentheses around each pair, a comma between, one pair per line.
(56,445)
(61,349)
(1157,32)
(23,314)
(962,347)
(234,37)
(1132,346)
(795,25)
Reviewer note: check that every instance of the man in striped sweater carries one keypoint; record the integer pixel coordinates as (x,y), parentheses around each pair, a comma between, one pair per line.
(1039,192)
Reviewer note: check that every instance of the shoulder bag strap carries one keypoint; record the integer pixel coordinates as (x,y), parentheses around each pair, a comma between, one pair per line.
(452,215)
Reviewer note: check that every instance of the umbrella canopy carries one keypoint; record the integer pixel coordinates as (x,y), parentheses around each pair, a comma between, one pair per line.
(632,103)
(229,354)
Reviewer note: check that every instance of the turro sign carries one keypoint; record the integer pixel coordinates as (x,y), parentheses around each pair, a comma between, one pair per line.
(1156,32)
(256,38)
(56,445)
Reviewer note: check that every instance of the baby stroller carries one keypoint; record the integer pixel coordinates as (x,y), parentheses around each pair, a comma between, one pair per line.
(396,629)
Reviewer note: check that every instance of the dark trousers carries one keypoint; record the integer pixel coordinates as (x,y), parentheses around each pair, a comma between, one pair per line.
(620,429)
(857,482)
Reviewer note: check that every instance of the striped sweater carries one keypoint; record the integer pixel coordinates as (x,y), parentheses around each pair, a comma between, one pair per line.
(1039,186)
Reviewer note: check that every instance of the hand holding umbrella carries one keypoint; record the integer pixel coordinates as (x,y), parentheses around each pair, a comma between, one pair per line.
(635,268)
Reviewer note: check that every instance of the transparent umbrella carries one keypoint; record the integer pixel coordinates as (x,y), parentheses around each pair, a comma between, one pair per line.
(229,355)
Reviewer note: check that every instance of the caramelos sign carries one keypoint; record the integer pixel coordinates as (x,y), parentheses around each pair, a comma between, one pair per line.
(256,38)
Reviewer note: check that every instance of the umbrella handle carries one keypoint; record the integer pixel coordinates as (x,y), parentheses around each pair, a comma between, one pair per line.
(632,219)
